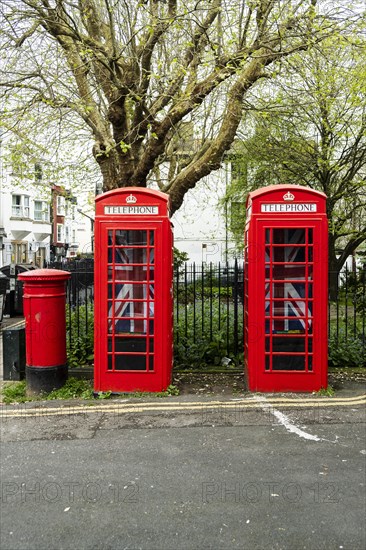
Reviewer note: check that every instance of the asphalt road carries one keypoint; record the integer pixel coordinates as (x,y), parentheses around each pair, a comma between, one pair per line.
(256,473)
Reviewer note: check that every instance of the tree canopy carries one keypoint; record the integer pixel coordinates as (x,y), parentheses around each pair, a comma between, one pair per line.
(157,85)
(312,132)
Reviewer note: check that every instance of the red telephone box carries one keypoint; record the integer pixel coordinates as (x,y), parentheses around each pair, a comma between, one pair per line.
(133,291)
(286,289)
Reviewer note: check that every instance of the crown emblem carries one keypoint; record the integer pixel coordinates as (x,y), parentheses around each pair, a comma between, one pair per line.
(131,199)
(288,196)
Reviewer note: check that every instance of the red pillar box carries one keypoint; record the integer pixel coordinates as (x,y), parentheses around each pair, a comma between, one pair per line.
(286,289)
(133,291)
(44,298)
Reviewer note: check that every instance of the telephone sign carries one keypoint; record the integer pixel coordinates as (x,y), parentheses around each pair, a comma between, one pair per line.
(133,291)
(286,296)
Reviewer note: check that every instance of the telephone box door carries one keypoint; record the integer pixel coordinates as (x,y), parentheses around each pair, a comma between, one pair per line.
(286,291)
(133,343)
(292,306)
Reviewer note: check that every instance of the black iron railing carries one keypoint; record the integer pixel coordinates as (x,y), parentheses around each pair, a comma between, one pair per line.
(208,315)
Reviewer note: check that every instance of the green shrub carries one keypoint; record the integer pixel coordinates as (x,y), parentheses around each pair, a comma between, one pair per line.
(80,346)
(346,352)
(353,289)
(196,348)
(191,293)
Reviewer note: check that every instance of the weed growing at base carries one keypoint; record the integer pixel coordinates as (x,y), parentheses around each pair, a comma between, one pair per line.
(15,392)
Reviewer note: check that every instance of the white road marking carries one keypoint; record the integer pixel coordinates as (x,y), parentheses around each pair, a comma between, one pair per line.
(285,421)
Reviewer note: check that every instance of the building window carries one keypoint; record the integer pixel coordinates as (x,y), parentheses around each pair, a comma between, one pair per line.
(20,252)
(67,234)
(41,257)
(41,211)
(60,233)
(60,205)
(20,206)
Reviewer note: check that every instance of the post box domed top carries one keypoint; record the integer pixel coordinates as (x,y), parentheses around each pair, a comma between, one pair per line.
(44,275)
(132,201)
(286,199)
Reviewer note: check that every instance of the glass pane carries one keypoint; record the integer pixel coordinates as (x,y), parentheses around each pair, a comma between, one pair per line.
(127,326)
(288,344)
(151,256)
(289,290)
(135,291)
(289,236)
(291,271)
(128,273)
(132,291)
(129,309)
(130,255)
(268,362)
(289,326)
(130,362)
(110,362)
(310,362)
(288,362)
(288,254)
(131,236)
(293,308)
(132,345)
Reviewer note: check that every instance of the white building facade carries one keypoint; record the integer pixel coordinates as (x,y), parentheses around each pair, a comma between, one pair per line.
(39,222)
(25,224)
(202,224)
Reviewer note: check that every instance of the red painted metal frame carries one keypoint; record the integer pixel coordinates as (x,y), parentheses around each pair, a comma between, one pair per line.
(157,302)
(309,345)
